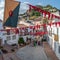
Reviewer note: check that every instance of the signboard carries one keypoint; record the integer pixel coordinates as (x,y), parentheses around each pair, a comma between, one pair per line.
(55,37)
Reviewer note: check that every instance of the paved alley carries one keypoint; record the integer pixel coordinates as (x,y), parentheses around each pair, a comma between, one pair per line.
(32,53)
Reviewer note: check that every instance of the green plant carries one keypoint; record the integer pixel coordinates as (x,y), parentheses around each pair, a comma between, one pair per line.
(21,40)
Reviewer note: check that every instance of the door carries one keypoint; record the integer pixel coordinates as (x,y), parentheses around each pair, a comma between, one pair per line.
(0,42)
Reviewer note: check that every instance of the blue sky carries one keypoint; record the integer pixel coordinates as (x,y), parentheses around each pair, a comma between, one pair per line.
(54,3)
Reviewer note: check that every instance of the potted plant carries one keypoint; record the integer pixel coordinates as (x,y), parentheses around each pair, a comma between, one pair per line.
(21,41)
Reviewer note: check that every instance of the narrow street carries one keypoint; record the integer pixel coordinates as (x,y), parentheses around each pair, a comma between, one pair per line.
(29,30)
(32,53)
(37,53)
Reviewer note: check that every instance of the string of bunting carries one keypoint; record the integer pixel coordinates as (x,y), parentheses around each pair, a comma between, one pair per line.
(35,33)
(50,15)
(16,30)
(31,27)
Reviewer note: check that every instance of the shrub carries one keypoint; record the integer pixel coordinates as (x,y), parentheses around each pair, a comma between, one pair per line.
(21,40)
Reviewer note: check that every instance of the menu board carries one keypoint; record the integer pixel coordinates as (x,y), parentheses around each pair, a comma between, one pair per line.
(55,37)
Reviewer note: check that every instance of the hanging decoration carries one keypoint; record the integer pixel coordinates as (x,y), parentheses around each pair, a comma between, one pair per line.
(59,23)
(37,26)
(48,15)
(44,25)
(56,24)
(50,24)
(31,27)
(40,33)
(22,28)
(16,30)
(44,12)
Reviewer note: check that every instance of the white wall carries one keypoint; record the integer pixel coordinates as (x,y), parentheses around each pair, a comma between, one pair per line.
(54,44)
(56,50)
(11,40)
(59,35)
(1,25)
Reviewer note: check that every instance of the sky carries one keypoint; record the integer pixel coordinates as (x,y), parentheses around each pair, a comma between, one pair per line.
(24,6)
(54,3)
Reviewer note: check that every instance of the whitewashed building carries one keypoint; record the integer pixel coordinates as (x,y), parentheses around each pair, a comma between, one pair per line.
(9,38)
(54,37)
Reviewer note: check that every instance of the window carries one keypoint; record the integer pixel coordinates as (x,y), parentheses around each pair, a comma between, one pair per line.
(14,37)
(4,33)
(8,37)
(59,49)
(56,37)
(8,32)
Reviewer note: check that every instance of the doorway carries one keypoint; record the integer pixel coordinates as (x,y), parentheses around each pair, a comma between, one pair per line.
(0,41)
